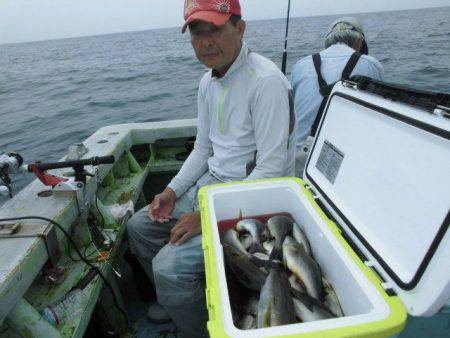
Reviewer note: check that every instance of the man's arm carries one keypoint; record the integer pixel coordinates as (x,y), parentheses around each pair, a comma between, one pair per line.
(270,112)
(371,68)
(197,162)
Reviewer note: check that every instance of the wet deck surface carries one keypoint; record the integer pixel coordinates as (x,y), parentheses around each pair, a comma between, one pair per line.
(435,327)
(142,327)
(137,308)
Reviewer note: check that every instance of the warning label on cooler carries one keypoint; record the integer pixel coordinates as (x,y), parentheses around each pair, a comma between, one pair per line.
(330,160)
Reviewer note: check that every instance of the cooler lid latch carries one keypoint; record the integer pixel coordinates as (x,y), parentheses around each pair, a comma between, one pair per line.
(322,206)
(442,111)
(387,286)
(311,190)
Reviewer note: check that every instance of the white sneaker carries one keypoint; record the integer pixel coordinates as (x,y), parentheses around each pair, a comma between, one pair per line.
(157,314)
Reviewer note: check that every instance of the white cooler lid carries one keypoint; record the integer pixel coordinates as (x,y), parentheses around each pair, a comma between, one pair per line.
(382,169)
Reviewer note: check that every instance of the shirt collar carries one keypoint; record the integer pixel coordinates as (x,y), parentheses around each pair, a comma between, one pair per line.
(240,60)
(339,49)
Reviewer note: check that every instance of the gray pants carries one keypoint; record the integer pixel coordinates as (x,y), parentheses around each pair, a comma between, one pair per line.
(177,272)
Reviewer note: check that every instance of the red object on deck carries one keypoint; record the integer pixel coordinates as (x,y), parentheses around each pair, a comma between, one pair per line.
(44,177)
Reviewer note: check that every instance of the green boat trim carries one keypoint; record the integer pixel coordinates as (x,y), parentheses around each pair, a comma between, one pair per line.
(139,149)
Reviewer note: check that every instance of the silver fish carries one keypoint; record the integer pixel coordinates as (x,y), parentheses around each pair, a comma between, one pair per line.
(279,227)
(303,266)
(244,269)
(308,309)
(331,299)
(246,322)
(265,235)
(231,238)
(255,228)
(268,246)
(251,307)
(275,305)
(246,241)
(296,284)
(300,236)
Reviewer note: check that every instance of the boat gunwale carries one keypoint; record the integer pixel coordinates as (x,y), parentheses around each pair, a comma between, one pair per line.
(14,280)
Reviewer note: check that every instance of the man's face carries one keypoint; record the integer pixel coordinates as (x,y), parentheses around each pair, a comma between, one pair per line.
(217,46)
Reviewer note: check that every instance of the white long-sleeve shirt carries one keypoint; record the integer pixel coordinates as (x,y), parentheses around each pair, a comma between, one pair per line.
(242,116)
(306,87)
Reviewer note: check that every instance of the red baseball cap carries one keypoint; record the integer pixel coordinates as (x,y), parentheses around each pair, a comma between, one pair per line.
(217,12)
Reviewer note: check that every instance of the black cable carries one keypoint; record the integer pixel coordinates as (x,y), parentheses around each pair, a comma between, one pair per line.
(103,217)
(102,227)
(69,252)
(103,224)
(78,253)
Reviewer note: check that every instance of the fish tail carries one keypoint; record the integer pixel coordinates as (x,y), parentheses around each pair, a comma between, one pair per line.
(256,247)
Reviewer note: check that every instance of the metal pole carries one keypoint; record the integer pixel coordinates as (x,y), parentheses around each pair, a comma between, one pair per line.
(283,65)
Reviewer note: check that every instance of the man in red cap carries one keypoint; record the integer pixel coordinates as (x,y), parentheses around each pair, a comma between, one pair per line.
(244,132)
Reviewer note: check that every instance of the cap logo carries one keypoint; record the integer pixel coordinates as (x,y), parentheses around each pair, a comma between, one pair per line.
(190,5)
(222,6)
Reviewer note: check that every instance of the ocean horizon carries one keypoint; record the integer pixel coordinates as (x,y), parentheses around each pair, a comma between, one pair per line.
(54,93)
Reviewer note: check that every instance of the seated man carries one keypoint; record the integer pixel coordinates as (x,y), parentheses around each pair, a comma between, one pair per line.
(245,120)
(345,56)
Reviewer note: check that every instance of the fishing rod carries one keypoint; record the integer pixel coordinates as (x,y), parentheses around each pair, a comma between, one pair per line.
(11,163)
(283,65)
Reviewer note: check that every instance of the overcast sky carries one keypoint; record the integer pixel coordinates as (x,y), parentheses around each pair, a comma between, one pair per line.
(31,20)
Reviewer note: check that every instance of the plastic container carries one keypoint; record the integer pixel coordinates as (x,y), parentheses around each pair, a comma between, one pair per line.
(370,312)
(375,217)
(69,307)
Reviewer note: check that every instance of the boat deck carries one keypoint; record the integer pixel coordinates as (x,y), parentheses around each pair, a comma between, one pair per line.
(22,259)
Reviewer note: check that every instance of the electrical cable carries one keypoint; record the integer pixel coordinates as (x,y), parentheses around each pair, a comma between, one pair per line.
(100,213)
(78,253)
(102,227)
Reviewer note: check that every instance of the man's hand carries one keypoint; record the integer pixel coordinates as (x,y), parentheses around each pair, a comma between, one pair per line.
(161,208)
(188,226)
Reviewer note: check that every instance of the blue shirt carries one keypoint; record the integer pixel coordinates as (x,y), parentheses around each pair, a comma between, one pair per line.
(306,87)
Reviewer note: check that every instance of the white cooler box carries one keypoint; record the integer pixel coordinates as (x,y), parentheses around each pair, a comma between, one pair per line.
(375,208)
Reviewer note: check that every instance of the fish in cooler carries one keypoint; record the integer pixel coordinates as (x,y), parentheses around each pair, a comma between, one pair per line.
(231,238)
(331,299)
(296,284)
(246,241)
(303,267)
(309,309)
(268,246)
(279,227)
(277,280)
(255,228)
(299,235)
(245,271)
(275,305)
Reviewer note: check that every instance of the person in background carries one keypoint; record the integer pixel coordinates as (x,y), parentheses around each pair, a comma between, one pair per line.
(245,131)
(345,55)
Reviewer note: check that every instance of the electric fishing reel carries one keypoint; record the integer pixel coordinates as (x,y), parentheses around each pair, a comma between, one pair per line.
(11,163)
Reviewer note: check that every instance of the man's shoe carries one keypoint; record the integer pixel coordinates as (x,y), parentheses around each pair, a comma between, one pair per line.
(157,314)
